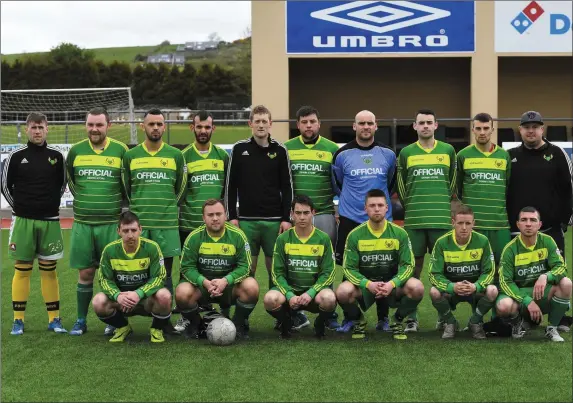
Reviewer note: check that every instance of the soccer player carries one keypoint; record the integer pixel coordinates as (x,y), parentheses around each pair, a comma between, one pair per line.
(131,276)
(483,174)
(462,270)
(155,180)
(532,276)
(357,167)
(426,183)
(259,175)
(33,181)
(311,164)
(94,176)
(206,168)
(378,263)
(215,269)
(303,271)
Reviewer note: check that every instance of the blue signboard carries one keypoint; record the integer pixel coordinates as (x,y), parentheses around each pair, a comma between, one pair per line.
(380,26)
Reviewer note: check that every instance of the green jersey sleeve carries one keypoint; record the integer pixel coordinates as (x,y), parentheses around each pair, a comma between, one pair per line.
(401,173)
(126,175)
(157,273)
(460,176)
(278,269)
(70,171)
(181,180)
(436,270)
(487,269)
(507,275)
(106,278)
(351,263)
(453,173)
(189,269)
(557,266)
(406,263)
(243,256)
(326,277)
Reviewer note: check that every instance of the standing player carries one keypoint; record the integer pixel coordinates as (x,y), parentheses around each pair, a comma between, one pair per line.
(357,167)
(532,275)
(426,184)
(259,175)
(33,181)
(303,271)
(483,175)
(131,276)
(94,175)
(215,268)
(206,168)
(155,180)
(311,164)
(462,270)
(378,263)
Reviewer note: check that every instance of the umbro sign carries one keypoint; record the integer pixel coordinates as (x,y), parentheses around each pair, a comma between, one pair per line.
(380,26)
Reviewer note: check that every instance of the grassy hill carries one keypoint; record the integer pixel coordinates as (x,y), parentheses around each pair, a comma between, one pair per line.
(227,55)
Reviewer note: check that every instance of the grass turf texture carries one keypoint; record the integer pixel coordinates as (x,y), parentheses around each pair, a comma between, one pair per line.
(177,134)
(42,366)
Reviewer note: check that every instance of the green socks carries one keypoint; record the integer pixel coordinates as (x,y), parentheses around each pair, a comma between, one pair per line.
(444,310)
(557,308)
(407,308)
(84,293)
(483,307)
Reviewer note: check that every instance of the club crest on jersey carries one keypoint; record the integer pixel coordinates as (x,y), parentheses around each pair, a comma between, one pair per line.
(142,264)
(367,159)
(499,163)
(272,156)
(314,250)
(215,164)
(225,249)
(389,244)
(163,162)
(319,155)
(53,161)
(540,254)
(109,161)
(548,157)
(474,254)
(440,158)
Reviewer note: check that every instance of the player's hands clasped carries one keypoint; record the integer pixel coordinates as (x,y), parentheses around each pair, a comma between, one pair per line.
(304,299)
(219,285)
(384,289)
(128,300)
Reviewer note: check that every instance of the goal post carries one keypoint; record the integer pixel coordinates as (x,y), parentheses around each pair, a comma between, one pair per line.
(66,110)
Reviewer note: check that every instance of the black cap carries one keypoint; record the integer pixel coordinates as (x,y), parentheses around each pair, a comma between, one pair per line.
(531,117)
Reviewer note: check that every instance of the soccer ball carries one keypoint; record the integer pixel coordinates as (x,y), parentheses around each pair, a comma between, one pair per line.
(221,332)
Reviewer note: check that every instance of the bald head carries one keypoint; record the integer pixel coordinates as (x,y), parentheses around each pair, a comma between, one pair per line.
(365,125)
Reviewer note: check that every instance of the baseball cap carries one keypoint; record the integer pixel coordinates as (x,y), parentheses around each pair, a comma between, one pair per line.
(531,117)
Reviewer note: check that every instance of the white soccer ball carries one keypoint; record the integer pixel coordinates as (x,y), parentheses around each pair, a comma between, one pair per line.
(221,332)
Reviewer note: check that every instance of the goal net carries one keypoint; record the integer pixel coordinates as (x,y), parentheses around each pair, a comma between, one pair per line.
(66,110)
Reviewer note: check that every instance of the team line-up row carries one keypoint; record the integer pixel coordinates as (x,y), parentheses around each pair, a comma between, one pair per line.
(263,174)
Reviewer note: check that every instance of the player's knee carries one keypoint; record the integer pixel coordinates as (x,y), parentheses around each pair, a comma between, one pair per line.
(491,292)
(183,293)
(327,300)
(435,294)
(345,292)
(163,298)
(273,299)
(87,275)
(565,286)
(100,303)
(414,288)
(251,288)
(504,307)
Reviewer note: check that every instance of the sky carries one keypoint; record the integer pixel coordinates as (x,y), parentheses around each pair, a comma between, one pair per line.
(38,26)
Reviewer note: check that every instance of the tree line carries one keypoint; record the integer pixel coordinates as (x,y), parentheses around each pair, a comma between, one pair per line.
(68,66)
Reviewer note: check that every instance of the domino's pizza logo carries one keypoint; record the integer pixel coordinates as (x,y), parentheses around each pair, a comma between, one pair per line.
(527,17)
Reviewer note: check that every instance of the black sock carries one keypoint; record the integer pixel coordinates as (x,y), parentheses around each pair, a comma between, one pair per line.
(191,314)
(323,316)
(282,315)
(168,261)
(351,311)
(159,322)
(382,308)
(116,319)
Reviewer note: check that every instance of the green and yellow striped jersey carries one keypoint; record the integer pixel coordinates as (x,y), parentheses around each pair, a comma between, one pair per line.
(207,257)
(205,180)
(94,179)
(451,263)
(520,266)
(426,181)
(302,265)
(142,271)
(155,183)
(378,256)
(482,183)
(311,171)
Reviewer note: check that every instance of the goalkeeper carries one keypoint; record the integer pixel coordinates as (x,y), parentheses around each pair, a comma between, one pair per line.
(215,269)
(132,275)
(462,269)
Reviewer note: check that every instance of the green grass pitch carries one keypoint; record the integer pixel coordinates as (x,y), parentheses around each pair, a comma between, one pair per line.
(42,366)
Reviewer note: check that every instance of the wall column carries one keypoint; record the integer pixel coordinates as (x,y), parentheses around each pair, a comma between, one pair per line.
(484,84)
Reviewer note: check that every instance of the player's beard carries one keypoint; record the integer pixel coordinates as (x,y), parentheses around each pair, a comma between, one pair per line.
(153,139)
(99,138)
(206,138)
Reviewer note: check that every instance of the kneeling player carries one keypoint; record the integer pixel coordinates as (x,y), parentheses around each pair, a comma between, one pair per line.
(462,269)
(532,276)
(215,269)
(378,263)
(302,271)
(131,275)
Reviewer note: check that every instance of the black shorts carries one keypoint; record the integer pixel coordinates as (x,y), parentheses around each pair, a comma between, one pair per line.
(345,225)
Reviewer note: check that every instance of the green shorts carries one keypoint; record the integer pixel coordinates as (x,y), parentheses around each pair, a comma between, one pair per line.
(497,239)
(543,303)
(423,240)
(224,301)
(87,243)
(311,307)
(261,234)
(168,240)
(30,239)
(368,299)
(455,299)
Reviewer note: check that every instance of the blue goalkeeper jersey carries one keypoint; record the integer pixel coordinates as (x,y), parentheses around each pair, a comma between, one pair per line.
(355,171)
